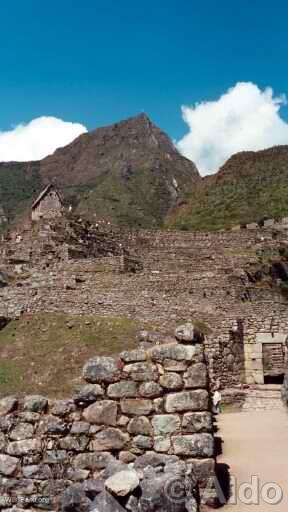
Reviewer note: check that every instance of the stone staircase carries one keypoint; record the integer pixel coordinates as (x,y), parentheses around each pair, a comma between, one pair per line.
(263,398)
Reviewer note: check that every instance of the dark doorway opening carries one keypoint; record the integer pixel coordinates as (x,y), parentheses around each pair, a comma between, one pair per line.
(274,379)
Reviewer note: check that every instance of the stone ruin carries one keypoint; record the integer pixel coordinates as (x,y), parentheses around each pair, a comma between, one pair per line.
(137,436)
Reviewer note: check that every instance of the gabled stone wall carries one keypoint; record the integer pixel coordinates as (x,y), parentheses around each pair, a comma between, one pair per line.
(151,402)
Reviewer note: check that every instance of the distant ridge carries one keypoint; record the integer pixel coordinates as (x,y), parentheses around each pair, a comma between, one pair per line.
(131,174)
(249,187)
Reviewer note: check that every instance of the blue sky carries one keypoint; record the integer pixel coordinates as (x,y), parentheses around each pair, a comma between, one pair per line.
(96,62)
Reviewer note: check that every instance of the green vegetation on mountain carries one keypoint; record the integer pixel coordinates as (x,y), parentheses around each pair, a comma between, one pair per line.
(19,184)
(131,174)
(248,188)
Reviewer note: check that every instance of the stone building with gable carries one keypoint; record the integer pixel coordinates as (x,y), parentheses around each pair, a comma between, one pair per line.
(48,204)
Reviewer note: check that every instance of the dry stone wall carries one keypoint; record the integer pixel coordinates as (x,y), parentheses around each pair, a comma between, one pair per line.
(147,407)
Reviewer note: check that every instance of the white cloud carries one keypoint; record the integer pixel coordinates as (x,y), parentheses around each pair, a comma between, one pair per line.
(244,118)
(37,139)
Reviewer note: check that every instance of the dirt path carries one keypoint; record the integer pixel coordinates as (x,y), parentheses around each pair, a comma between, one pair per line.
(256,443)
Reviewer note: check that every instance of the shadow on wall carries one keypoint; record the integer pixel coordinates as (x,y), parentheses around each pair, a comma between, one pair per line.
(223,483)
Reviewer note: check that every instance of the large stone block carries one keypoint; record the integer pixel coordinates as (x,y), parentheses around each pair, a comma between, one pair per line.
(22,431)
(63,407)
(196,376)
(7,405)
(109,439)
(171,380)
(35,403)
(195,445)
(25,447)
(188,333)
(143,442)
(105,502)
(93,461)
(164,424)
(140,425)
(8,465)
(150,389)
(101,413)
(196,400)
(194,422)
(138,407)
(204,470)
(133,356)
(168,351)
(101,369)
(88,394)
(122,389)
(122,483)
(162,444)
(141,372)
(52,425)
(170,365)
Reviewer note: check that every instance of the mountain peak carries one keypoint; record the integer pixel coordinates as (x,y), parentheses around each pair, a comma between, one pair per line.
(128,173)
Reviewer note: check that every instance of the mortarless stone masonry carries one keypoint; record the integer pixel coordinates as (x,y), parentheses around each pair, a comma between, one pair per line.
(131,407)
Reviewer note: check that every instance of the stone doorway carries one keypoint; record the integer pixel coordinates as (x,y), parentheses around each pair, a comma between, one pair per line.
(266,359)
(273,355)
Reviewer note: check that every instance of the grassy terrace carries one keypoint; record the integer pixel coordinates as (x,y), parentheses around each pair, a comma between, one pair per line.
(45,353)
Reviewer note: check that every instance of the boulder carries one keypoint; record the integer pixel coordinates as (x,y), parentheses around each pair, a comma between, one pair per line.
(154,460)
(105,502)
(4,280)
(22,431)
(80,427)
(74,499)
(2,442)
(141,372)
(5,500)
(122,483)
(73,443)
(196,376)
(150,389)
(62,407)
(101,369)
(188,333)
(169,351)
(195,422)
(137,406)
(194,445)
(94,461)
(7,405)
(25,447)
(197,400)
(122,389)
(164,492)
(8,465)
(140,425)
(143,442)
(101,413)
(88,394)
(35,403)
(110,439)
(171,380)
(53,426)
(164,424)
(162,444)
(133,356)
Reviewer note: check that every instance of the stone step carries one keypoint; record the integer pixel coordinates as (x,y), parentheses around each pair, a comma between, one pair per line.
(263,397)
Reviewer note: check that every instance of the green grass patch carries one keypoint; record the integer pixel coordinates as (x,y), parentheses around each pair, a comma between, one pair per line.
(45,353)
